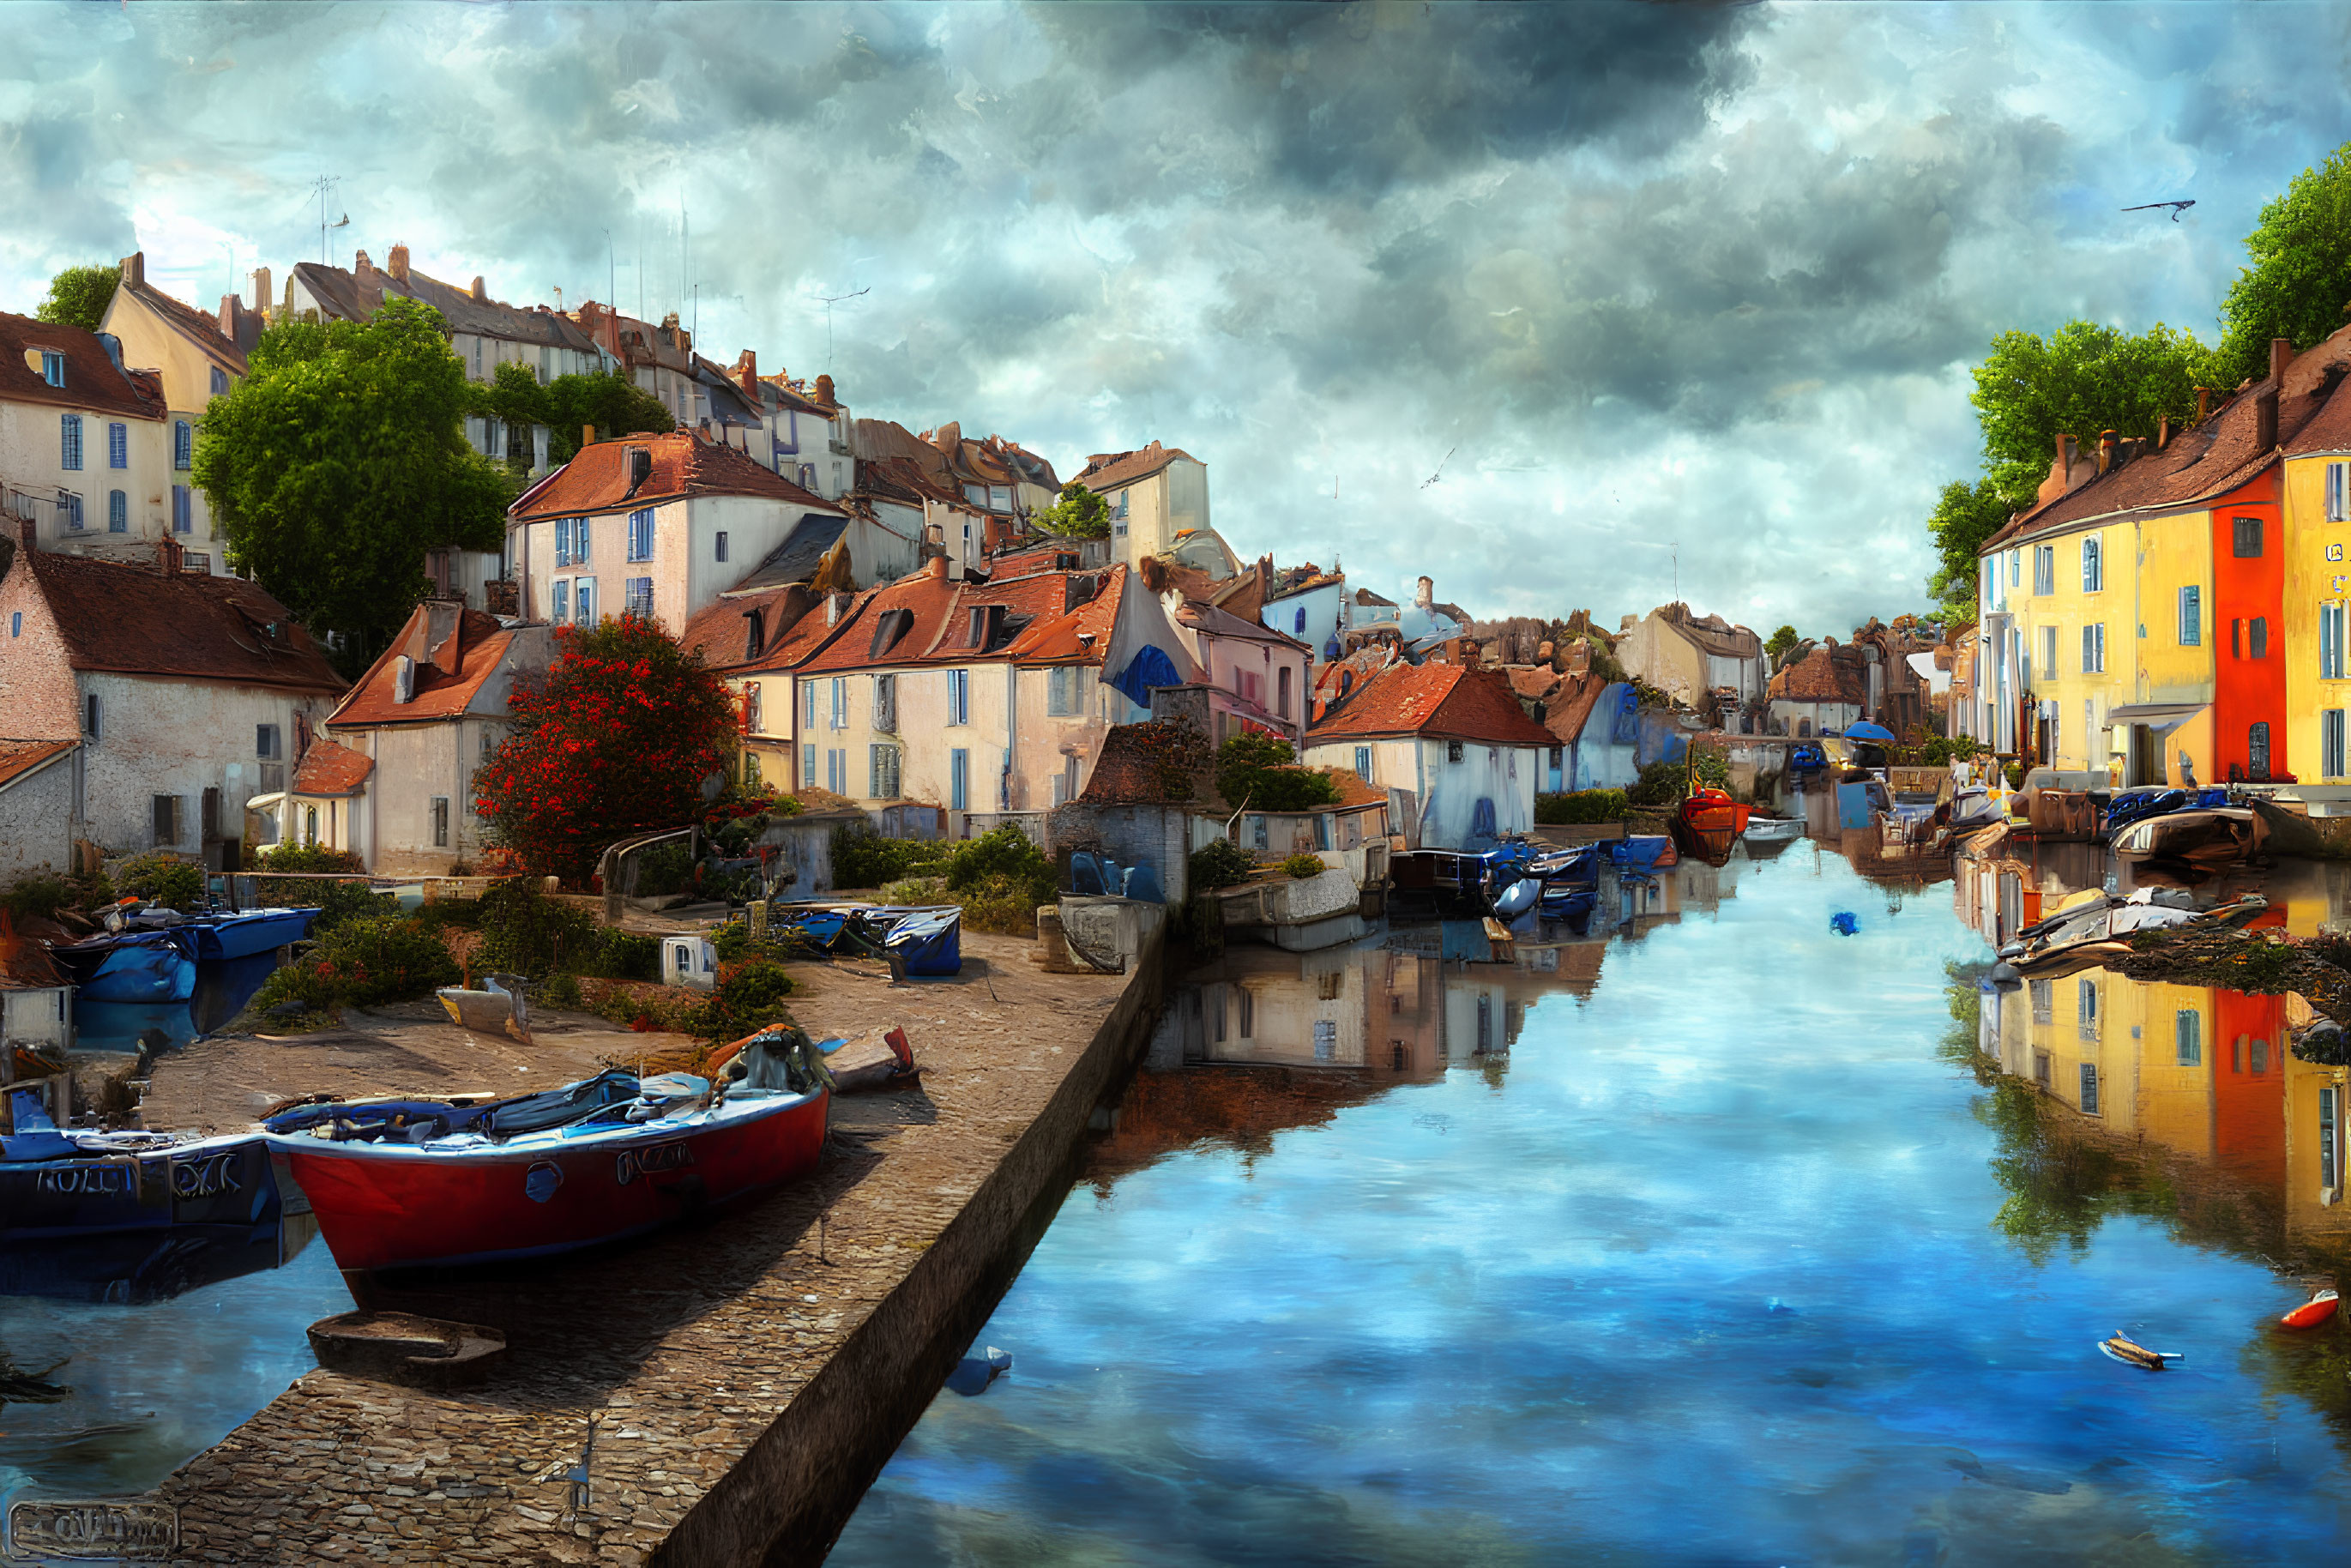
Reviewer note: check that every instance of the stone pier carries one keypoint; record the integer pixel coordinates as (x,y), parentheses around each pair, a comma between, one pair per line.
(744,1378)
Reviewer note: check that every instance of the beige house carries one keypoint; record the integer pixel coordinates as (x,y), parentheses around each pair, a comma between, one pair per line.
(85,446)
(1158,496)
(1690,657)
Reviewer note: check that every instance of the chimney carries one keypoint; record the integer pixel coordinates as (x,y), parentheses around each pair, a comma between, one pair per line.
(134,267)
(587,435)
(558,302)
(262,279)
(2106,452)
(824,392)
(2203,403)
(2280,355)
(167,556)
(2163,432)
(360,266)
(935,568)
(1423,593)
(2266,411)
(481,294)
(747,372)
(397,262)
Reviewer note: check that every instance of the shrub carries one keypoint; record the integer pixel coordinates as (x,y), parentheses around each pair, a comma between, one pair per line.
(861,858)
(917,890)
(1662,784)
(2016,775)
(43,893)
(1582,806)
(1262,770)
(748,997)
(1221,864)
(163,878)
(1303,865)
(1004,905)
(524,931)
(307,857)
(665,869)
(361,963)
(337,901)
(1001,877)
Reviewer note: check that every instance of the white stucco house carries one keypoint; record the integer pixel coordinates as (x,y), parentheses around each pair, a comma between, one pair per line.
(1450,745)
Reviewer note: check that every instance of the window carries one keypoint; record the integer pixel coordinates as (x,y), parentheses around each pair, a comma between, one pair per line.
(2048,651)
(718,543)
(1298,628)
(2086,1010)
(641,536)
(808,766)
(166,813)
(183,443)
(117,512)
(2089,1089)
(2044,568)
(1065,690)
(118,446)
(1326,1039)
(183,520)
(959,697)
(53,367)
(640,600)
(2094,649)
(69,508)
(883,769)
(271,765)
(2330,1137)
(563,541)
(1281,692)
(2043,999)
(2330,642)
(2330,742)
(478,358)
(2040,1068)
(2260,1051)
(2247,537)
(1363,763)
(2187,1037)
(69,441)
(840,693)
(561,595)
(2094,565)
(808,476)
(752,719)
(2338,492)
(579,541)
(836,771)
(808,694)
(2257,638)
(2191,616)
(310,824)
(959,780)
(1248,1013)
(219,380)
(1452,751)
(89,715)
(583,600)
(750,770)
(885,704)
(440,821)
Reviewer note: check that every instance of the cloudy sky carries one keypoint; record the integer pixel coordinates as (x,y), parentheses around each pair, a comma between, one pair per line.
(1615,278)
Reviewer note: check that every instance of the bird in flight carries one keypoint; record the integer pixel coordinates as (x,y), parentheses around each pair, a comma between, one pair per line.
(1441,461)
(2177,207)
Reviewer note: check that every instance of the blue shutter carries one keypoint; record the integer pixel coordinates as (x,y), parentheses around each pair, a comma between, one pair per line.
(118,446)
(69,441)
(183,443)
(117,512)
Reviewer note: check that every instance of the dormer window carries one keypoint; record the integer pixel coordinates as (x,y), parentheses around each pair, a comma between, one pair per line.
(53,367)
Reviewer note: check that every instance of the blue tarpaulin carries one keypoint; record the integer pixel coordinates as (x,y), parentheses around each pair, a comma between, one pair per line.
(1148,668)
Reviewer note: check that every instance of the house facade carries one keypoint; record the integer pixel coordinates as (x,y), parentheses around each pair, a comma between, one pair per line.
(1450,745)
(1157,494)
(89,454)
(181,695)
(1258,676)
(1695,659)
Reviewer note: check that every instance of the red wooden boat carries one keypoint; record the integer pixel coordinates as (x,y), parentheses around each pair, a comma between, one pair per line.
(1708,822)
(413,1183)
(2311,1312)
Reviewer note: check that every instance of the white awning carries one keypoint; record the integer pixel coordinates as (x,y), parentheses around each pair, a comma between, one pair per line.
(2155,716)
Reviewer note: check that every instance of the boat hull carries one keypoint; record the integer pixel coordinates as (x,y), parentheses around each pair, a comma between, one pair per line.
(215,1184)
(2301,836)
(147,968)
(256,931)
(391,1207)
(2313,1312)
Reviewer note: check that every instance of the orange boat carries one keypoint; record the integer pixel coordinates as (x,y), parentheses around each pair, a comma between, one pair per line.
(2313,1312)
(1708,823)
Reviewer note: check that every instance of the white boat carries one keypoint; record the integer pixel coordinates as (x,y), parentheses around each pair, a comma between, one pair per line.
(496,1007)
(1773,830)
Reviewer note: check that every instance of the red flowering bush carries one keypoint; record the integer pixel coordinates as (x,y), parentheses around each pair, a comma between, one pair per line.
(616,740)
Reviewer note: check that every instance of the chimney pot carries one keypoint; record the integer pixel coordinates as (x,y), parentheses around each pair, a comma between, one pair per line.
(2280,355)
(481,292)
(824,390)
(134,267)
(935,568)
(587,435)
(361,265)
(2265,419)
(2107,444)
(397,262)
(2203,403)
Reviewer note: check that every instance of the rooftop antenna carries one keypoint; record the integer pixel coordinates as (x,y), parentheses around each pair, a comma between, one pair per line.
(320,186)
(612,272)
(830,301)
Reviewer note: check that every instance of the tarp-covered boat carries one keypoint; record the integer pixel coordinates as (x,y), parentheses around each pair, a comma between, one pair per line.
(929,941)
(132,965)
(2298,833)
(2207,838)
(2091,928)
(58,1185)
(424,1184)
(241,935)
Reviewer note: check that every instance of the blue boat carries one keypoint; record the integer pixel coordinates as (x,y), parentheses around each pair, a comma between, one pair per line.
(133,966)
(930,941)
(59,1187)
(1638,855)
(820,928)
(1519,897)
(244,935)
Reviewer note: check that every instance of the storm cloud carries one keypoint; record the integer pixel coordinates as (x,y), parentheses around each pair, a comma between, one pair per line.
(1679,288)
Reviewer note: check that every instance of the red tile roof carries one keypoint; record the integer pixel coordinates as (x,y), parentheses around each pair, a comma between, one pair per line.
(721,631)
(1354,794)
(1569,707)
(1110,470)
(93,382)
(597,480)
(327,768)
(1043,627)
(138,621)
(442,689)
(1819,678)
(1440,701)
(19,759)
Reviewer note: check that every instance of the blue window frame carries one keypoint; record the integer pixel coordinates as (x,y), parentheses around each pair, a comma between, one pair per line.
(183,509)
(808,756)
(118,446)
(2191,616)
(1363,763)
(53,367)
(640,600)
(2187,1037)
(69,441)
(117,512)
(959,779)
(958,696)
(71,506)
(562,609)
(15,624)
(220,381)
(183,443)
(641,536)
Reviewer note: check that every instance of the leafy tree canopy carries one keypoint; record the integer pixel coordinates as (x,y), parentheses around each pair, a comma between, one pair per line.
(1780,642)
(1262,770)
(79,296)
(610,401)
(1080,514)
(2299,285)
(1965,515)
(616,740)
(340,460)
(2080,380)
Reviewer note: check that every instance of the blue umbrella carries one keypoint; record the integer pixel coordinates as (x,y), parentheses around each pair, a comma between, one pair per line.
(1867,731)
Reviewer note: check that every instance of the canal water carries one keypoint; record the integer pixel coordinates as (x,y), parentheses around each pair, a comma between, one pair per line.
(1733,1239)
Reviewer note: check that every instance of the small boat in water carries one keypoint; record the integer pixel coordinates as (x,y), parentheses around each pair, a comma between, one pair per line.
(2319,1309)
(496,1007)
(2207,837)
(2299,835)
(2130,1353)
(2090,929)
(426,1184)
(1773,829)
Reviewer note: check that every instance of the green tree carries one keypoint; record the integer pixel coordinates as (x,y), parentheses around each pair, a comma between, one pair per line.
(2080,380)
(2299,285)
(340,460)
(1079,514)
(1782,640)
(610,403)
(79,296)
(1262,770)
(1965,515)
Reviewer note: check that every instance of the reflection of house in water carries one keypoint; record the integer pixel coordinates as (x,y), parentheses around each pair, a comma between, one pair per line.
(2203,1072)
